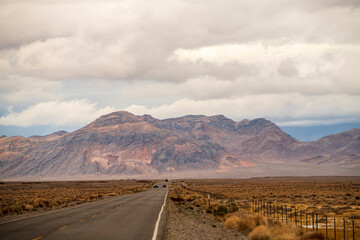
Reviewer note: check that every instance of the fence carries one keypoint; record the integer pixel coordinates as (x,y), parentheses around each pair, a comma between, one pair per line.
(333,227)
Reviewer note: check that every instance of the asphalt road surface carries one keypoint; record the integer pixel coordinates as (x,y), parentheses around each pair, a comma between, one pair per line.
(134,216)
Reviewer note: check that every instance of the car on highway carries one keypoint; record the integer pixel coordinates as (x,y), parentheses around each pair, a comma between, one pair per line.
(156,186)
(164,185)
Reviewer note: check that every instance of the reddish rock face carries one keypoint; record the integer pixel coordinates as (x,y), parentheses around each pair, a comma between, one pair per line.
(122,143)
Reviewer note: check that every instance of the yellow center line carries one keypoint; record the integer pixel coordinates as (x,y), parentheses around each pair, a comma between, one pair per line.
(81,220)
(93,215)
(38,238)
(103,211)
(63,227)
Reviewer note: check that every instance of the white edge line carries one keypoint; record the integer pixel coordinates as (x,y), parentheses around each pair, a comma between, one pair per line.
(159,217)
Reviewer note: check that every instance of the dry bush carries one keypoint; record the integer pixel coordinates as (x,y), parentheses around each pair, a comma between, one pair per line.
(244,222)
(27,207)
(260,220)
(260,233)
(313,236)
(41,202)
(284,232)
(246,225)
(93,196)
(232,222)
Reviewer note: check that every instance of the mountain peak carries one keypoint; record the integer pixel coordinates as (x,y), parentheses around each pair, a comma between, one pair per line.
(255,126)
(115,118)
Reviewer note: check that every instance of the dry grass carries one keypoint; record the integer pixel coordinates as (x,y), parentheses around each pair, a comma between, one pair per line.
(260,233)
(335,197)
(35,196)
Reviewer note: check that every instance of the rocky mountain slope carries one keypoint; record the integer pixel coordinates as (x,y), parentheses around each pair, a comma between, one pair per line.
(122,143)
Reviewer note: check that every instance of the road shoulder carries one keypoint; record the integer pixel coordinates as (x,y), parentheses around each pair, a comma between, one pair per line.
(186,223)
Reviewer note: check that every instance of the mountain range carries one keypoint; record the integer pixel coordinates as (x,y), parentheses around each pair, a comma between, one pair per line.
(121,143)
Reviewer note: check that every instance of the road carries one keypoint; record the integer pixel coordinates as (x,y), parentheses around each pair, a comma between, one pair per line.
(132,216)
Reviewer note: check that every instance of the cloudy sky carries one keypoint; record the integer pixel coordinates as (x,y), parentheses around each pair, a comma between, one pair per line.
(65,63)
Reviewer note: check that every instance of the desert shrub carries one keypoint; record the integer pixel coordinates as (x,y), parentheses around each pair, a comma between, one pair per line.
(283,232)
(232,208)
(5,211)
(93,196)
(260,220)
(41,202)
(260,233)
(27,207)
(313,236)
(246,225)
(15,209)
(177,198)
(221,210)
(232,222)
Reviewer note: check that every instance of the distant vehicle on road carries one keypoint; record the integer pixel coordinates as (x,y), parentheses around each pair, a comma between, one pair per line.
(166,180)
(164,185)
(156,186)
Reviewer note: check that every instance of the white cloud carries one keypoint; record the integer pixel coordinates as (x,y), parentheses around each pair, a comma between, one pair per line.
(66,113)
(309,59)
(276,107)
(131,40)
(278,59)
(16,89)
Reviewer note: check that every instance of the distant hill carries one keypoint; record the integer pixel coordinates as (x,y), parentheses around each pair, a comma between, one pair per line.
(121,143)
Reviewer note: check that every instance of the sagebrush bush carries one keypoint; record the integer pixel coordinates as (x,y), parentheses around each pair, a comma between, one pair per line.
(284,232)
(246,225)
(232,222)
(221,210)
(260,233)
(260,220)
(41,202)
(27,207)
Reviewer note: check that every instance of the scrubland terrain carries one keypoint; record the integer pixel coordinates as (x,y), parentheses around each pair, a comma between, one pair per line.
(233,205)
(20,199)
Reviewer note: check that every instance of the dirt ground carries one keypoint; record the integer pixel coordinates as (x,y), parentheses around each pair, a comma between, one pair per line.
(186,223)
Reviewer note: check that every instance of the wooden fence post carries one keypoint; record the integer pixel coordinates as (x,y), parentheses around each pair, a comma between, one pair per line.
(334,229)
(353,228)
(313,221)
(290,214)
(326,234)
(344,227)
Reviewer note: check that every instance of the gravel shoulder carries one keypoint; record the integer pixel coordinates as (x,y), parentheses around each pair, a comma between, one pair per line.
(188,222)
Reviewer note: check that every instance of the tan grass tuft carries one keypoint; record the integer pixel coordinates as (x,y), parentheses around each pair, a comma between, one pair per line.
(260,220)
(246,225)
(283,232)
(27,207)
(260,233)
(232,222)
(41,202)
